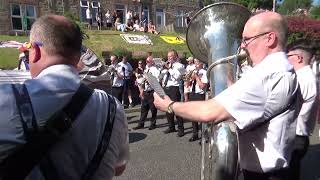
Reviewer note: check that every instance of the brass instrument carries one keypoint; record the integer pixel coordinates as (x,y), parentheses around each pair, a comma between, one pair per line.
(187,77)
(214,33)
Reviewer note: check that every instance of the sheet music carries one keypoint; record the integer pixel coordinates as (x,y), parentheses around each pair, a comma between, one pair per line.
(155,84)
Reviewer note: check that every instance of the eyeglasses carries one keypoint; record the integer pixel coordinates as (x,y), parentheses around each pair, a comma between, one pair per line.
(247,40)
(289,55)
(30,45)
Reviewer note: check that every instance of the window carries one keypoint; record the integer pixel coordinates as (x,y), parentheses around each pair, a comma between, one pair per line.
(1,5)
(180,18)
(22,16)
(84,5)
(121,11)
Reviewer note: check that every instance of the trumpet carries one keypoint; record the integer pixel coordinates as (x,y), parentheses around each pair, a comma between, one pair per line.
(187,77)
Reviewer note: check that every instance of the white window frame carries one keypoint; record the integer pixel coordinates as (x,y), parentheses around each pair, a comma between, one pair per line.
(22,12)
(180,15)
(82,5)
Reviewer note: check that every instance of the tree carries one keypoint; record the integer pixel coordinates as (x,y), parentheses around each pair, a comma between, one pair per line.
(315,12)
(289,6)
(254,4)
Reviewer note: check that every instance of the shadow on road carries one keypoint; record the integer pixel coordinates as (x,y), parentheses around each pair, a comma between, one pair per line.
(134,137)
(310,163)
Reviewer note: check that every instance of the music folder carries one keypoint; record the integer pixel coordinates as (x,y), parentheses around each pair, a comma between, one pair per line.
(154,83)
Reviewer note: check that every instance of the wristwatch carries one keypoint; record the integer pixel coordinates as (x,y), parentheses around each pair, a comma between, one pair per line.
(170,109)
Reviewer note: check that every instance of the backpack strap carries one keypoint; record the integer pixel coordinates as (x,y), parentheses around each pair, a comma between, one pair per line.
(105,140)
(39,140)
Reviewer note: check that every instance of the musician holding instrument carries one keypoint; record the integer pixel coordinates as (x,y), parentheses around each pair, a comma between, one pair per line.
(172,75)
(116,78)
(147,96)
(187,77)
(127,71)
(199,83)
(263,104)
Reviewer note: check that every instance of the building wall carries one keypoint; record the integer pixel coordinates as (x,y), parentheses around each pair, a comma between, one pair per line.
(43,7)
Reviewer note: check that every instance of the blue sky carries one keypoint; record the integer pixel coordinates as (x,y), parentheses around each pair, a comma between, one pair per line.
(316,2)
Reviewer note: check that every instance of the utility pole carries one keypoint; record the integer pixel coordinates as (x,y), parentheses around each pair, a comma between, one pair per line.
(274,6)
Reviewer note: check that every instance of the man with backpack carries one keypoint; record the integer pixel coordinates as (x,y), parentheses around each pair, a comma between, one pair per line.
(52,126)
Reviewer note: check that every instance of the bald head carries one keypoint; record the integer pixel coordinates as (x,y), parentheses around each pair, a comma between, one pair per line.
(59,36)
(270,22)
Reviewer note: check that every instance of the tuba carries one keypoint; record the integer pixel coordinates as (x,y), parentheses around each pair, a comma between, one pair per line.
(213,34)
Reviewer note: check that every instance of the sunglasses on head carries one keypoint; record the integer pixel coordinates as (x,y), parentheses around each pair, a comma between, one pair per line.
(30,45)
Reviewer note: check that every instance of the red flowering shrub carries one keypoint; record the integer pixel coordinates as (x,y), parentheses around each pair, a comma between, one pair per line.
(303,27)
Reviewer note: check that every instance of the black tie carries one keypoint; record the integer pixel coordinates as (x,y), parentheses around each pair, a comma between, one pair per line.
(124,72)
(166,80)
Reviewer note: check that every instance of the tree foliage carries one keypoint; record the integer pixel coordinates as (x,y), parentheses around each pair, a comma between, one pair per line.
(254,4)
(288,6)
(315,12)
(303,28)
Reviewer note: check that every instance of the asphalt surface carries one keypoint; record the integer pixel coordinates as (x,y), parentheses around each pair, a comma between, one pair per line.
(158,156)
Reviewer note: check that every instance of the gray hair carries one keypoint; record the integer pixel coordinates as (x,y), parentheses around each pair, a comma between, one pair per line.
(59,35)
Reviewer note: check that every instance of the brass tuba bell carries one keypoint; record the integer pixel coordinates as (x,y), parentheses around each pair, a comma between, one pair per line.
(213,34)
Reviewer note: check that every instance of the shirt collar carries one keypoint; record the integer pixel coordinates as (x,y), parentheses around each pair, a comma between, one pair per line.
(274,62)
(57,69)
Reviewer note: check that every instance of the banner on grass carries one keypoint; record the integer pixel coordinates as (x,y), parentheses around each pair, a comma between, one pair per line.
(10,44)
(173,39)
(136,39)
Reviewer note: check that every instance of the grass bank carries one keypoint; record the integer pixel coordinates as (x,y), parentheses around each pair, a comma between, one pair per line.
(99,41)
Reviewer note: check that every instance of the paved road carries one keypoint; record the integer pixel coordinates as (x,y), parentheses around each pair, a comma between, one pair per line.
(156,156)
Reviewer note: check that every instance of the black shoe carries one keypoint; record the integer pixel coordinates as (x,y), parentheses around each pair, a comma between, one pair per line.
(152,127)
(131,105)
(138,127)
(169,130)
(194,138)
(180,133)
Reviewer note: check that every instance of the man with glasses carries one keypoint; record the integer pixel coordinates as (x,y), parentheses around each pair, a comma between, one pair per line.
(54,52)
(263,103)
(300,54)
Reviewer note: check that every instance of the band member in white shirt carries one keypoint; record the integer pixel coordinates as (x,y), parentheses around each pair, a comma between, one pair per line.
(127,80)
(187,84)
(170,83)
(300,54)
(116,78)
(199,84)
(147,96)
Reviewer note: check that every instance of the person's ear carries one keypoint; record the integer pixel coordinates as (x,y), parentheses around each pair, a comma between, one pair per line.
(36,54)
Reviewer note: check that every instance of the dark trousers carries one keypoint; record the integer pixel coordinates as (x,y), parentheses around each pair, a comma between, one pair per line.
(281,174)
(146,105)
(174,94)
(301,144)
(195,125)
(117,92)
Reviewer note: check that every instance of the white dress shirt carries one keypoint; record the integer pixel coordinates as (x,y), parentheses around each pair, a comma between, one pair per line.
(307,115)
(117,81)
(155,72)
(203,78)
(175,73)
(259,103)
(50,91)
(127,69)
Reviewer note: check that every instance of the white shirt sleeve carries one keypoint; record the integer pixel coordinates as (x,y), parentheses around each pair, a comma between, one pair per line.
(250,101)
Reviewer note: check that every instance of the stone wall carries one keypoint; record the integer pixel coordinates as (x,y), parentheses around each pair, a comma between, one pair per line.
(44,7)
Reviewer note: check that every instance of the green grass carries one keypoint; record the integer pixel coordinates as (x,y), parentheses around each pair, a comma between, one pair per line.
(9,56)
(99,41)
